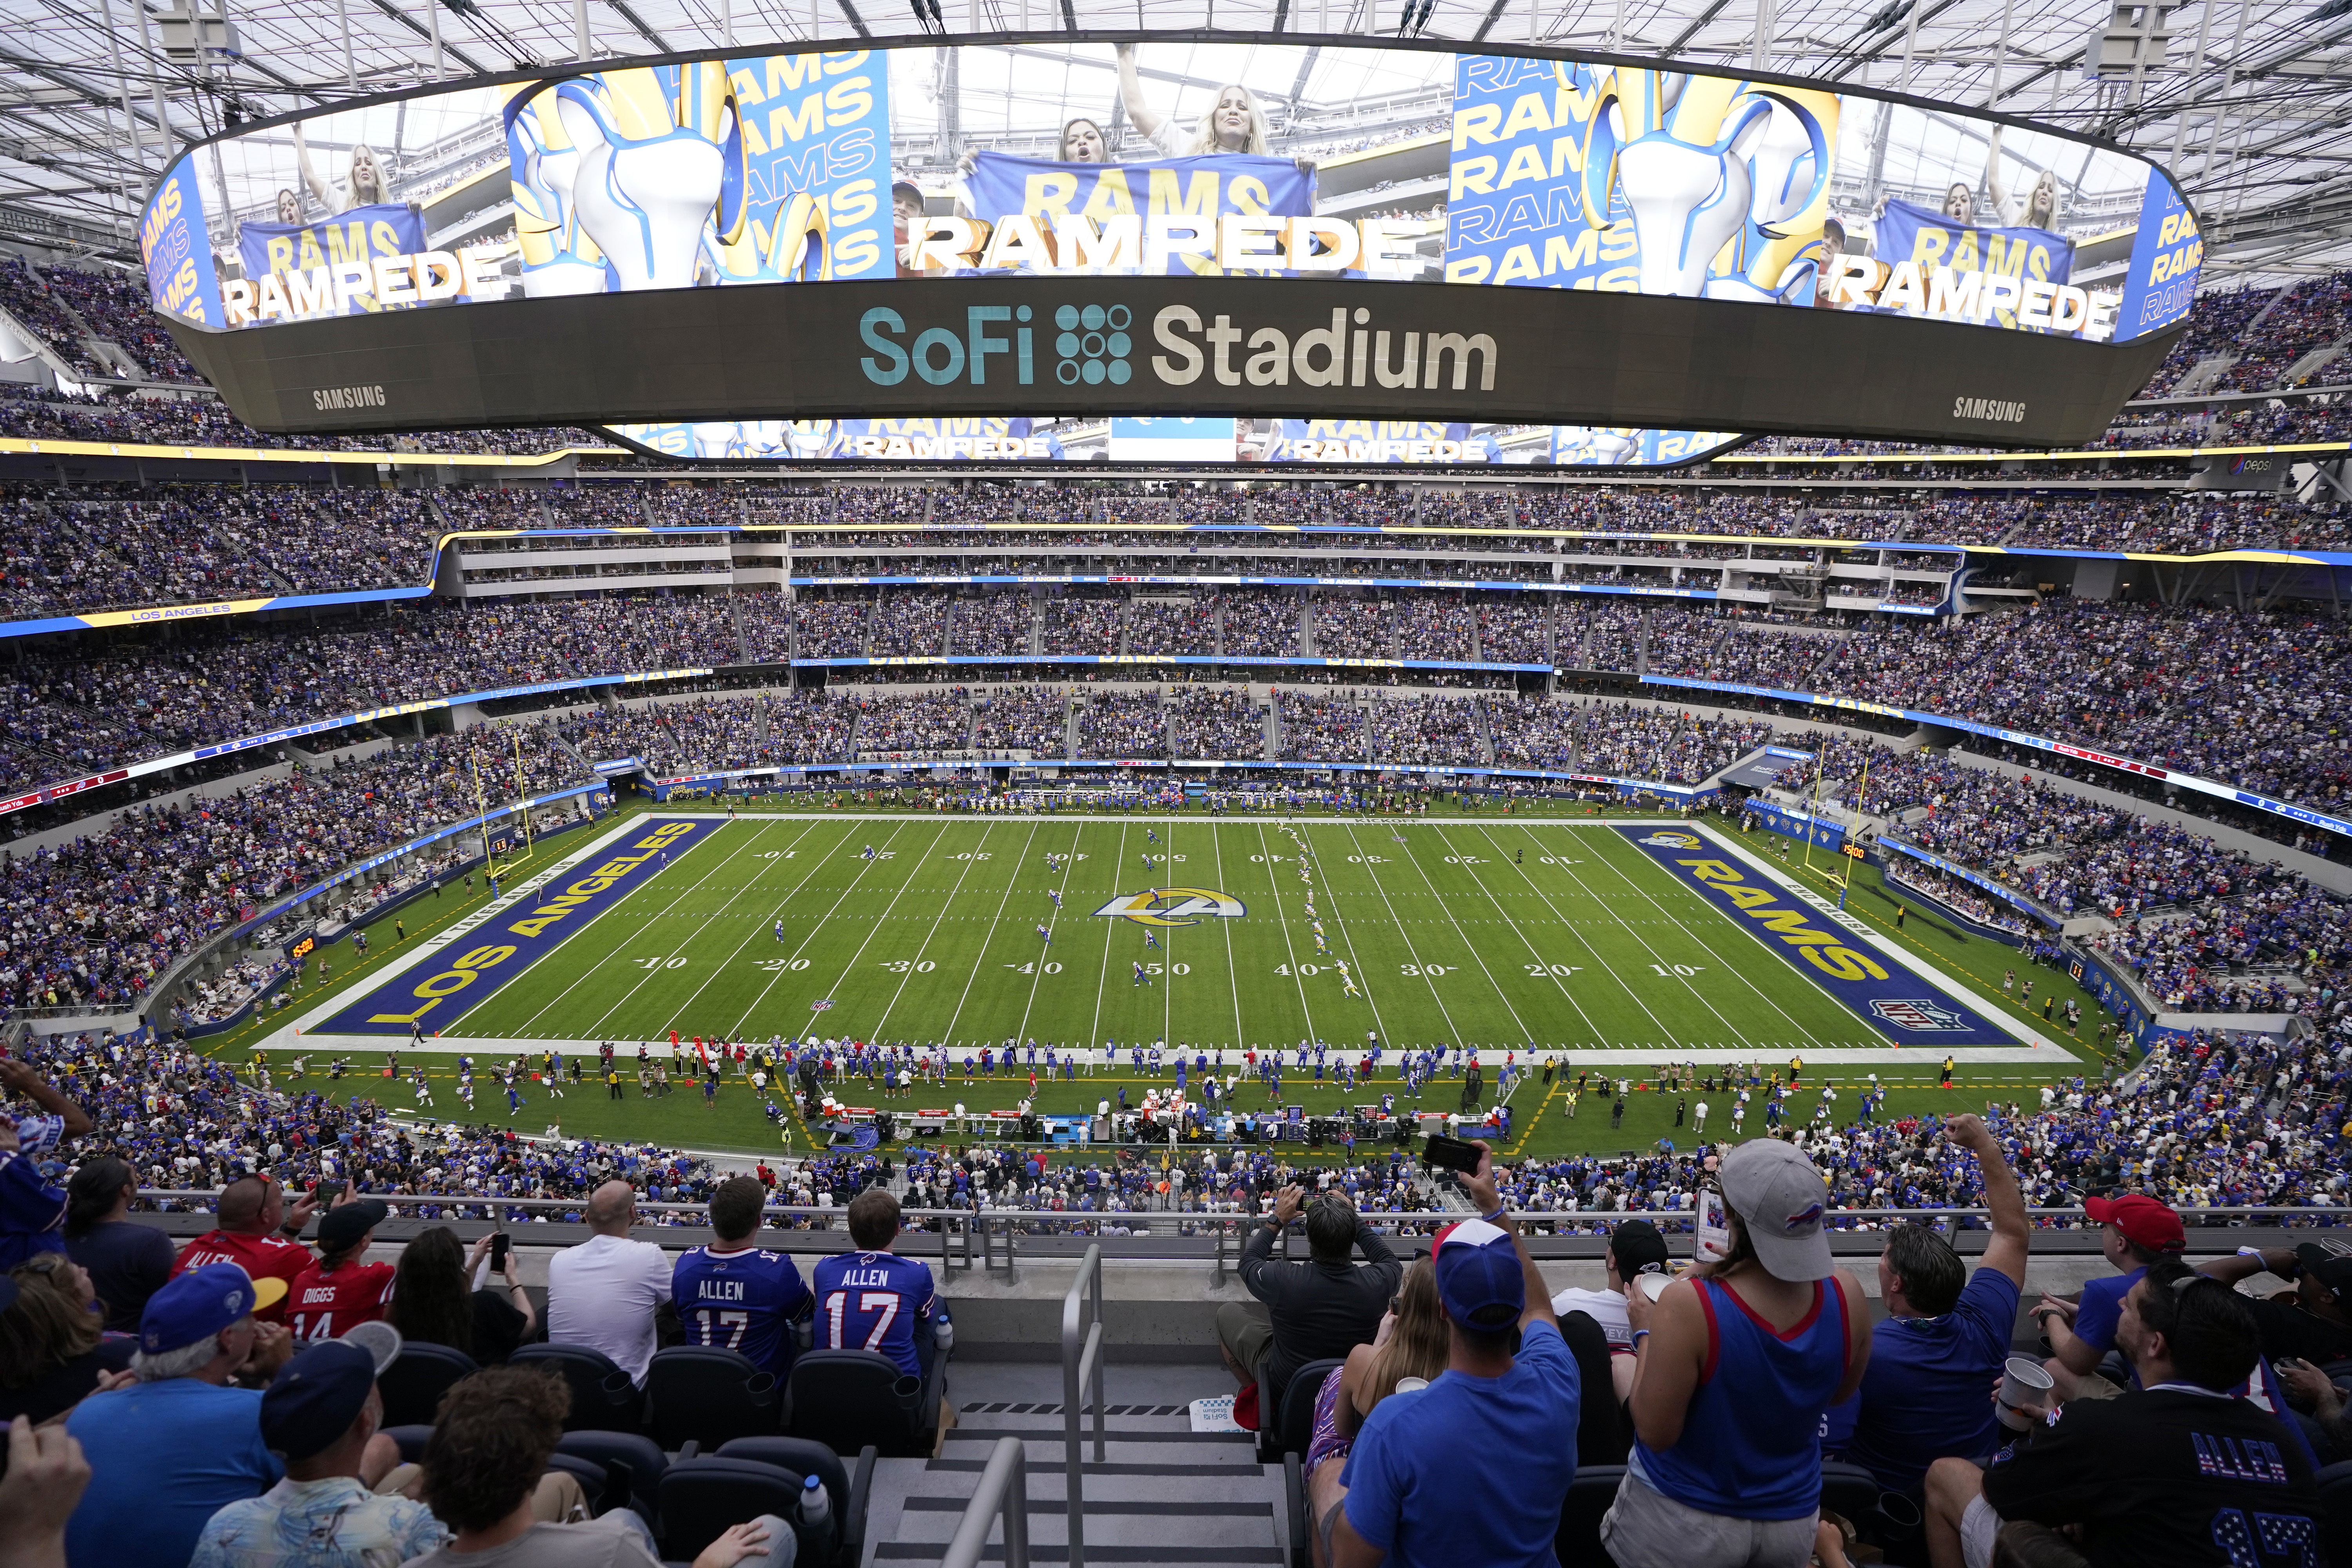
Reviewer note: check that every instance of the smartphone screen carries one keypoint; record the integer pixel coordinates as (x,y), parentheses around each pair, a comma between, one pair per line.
(498,1252)
(1452,1154)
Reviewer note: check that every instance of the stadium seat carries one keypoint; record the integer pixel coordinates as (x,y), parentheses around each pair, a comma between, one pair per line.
(414,1382)
(412,1440)
(701,1497)
(849,1490)
(1290,1435)
(850,1400)
(595,1484)
(633,1467)
(603,1397)
(1849,1489)
(1578,1542)
(705,1394)
(2335,1512)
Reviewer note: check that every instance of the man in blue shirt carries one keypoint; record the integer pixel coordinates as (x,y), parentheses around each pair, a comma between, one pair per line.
(1471,1469)
(871,1300)
(172,1450)
(2134,1232)
(737,1296)
(1945,1337)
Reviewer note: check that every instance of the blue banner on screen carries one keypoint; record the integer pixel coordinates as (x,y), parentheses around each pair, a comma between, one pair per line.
(1872,983)
(972,439)
(435,993)
(1592,445)
(1934,241)
(1376,441)
(181,278)
(2167,253)
(1120,200)
(1172,440)
(363,234)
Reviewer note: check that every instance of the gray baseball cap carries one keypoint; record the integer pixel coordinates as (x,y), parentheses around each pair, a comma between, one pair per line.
(1780,1198)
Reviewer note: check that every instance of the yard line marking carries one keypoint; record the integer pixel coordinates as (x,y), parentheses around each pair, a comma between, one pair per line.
(848,887)
(1282,920)
(884,918)
(684,893)
(1233,973)
(1383,889)
(1571,927)
(970,860)
(1476,957)
(1725,917)
(999,919)
(1094,1030)
(1362,971)
(1524,940)
(1053,922)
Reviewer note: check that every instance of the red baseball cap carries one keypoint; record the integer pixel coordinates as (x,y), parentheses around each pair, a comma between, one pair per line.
(2146,1224)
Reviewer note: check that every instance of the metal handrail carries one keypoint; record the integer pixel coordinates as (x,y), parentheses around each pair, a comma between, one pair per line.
(1003,1490)
(1667,1219)
(1082,1373)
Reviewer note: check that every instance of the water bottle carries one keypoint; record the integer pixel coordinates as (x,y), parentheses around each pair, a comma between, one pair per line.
(944,1334)
(816,1507)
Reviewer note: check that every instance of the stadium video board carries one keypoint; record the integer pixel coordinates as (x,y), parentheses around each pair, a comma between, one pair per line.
(1001,439)
(1073,226)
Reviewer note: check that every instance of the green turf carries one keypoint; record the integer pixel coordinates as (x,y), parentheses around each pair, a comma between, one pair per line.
(1498,934)
(1458,933)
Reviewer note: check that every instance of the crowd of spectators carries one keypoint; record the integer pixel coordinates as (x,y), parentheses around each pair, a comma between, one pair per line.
(1116,724)
(1319,726)
(1021,719)
(1083,623)
(898,723)
(1216,721)
(1354,628)
(992,623)
(97,919)
(716,734)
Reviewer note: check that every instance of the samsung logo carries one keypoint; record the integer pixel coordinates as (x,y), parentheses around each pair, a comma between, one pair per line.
(337,397)
(1992,410)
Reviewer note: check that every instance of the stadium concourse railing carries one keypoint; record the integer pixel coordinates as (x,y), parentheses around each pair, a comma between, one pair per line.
(994,1240)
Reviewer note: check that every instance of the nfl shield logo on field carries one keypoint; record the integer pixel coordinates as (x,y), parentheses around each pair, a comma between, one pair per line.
(1917,1014)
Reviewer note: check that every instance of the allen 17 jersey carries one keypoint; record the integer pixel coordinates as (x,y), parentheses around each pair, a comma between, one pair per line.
(870,1301)
(740,1301)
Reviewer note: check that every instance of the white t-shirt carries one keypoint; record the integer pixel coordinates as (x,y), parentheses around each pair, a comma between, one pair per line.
(602,1293)
(1603,1306)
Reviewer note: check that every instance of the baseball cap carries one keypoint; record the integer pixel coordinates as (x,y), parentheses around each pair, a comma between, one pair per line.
(1478,1270)
(201,1303)
(1778,1197)
(2330,1267)
(342,1226)
(1638,1247)
(315,1397)
(2146,1223)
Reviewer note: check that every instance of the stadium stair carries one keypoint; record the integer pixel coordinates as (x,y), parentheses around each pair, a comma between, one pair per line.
(1163,1495)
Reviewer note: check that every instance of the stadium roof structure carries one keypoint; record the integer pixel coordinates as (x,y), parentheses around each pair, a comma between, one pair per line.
(2248,101)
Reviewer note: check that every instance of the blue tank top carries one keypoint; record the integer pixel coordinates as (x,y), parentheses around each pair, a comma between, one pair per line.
(1748,1447)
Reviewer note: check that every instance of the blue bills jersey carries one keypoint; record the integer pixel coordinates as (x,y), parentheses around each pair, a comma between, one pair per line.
(741,1301)
(871,1301)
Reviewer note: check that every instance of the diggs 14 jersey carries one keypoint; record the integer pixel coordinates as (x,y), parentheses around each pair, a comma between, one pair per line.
(740,1301)
(327,1304)
(871,1301)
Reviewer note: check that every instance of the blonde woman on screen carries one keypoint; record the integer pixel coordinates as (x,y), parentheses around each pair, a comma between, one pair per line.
(2037,208)
(1236,124)
(365,185)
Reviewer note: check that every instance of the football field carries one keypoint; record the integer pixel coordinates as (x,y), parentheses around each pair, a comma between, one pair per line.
(1217,933)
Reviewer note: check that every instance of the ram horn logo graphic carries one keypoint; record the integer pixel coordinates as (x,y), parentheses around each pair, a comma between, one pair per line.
(1668,839)
(621,177)
(1173,906)
(1727,183)
(1917,1015)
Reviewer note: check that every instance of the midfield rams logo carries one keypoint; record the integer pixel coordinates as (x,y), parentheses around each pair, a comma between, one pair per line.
(1917,1015)
(1173,906)
(1665,840)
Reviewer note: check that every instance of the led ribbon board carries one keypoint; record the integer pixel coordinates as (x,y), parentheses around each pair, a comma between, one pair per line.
(1538,238)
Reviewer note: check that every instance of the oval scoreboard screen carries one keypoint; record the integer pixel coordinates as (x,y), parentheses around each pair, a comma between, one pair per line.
(1247,226)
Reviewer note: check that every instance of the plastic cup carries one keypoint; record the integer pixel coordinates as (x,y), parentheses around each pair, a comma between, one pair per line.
(2023,1382)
